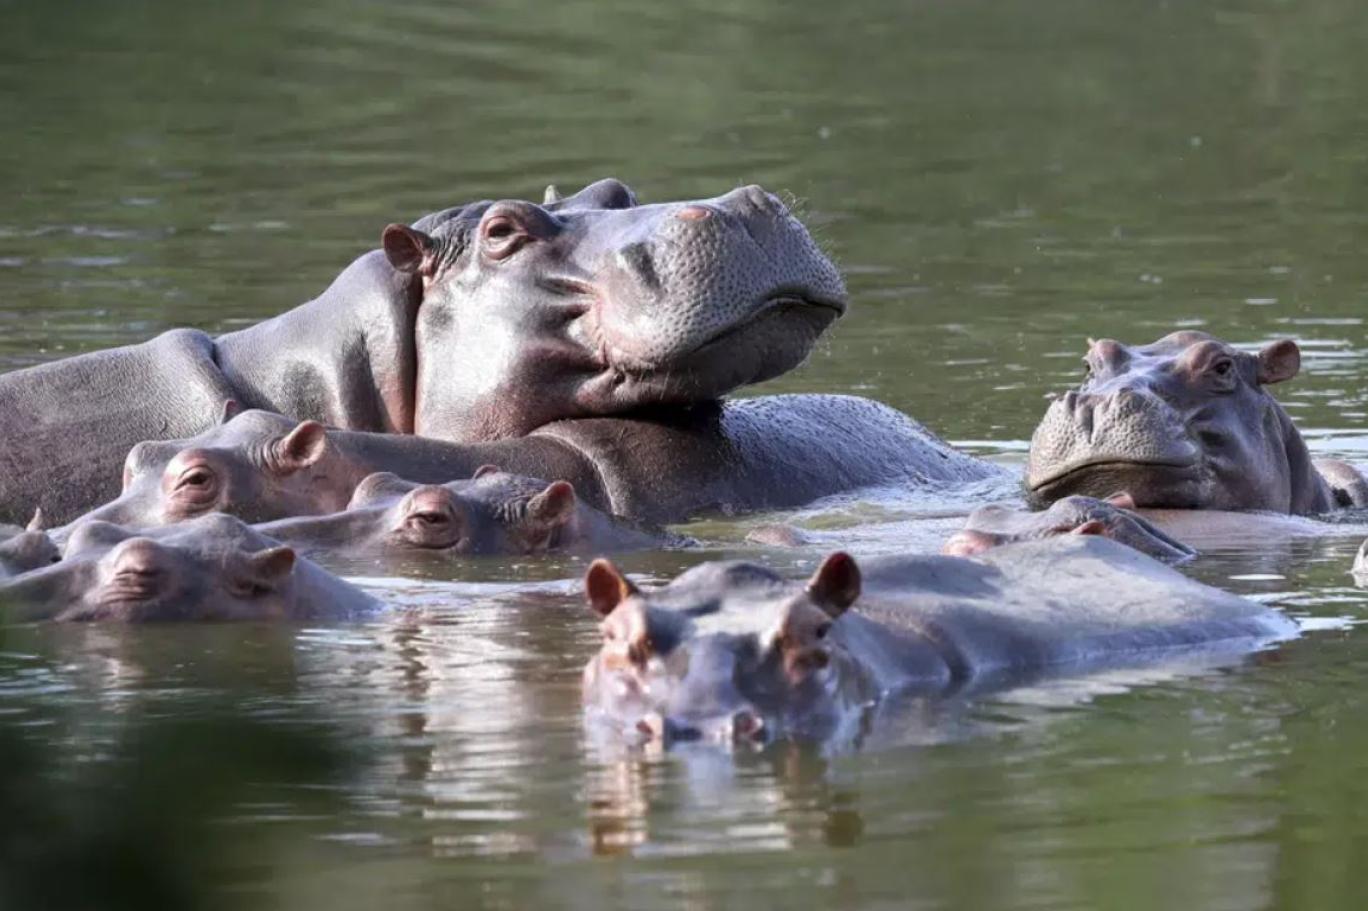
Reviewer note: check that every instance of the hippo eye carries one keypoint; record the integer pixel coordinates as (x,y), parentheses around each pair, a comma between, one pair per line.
(823,630)
(1223,367)
(502,236)
(196,480)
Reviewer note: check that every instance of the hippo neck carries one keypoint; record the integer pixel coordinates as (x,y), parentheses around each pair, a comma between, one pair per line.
(1308,491)
(346,358)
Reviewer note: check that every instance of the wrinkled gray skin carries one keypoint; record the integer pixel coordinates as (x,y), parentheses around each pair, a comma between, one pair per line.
(493,513)
(480,322)
(770,452)
(1185,423)
(212,568)
(733,651)
(993,526)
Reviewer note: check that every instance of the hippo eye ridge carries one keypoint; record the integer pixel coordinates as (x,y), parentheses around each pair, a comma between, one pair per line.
(502,235)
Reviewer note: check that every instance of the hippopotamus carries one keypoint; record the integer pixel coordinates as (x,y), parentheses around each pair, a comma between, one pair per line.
(1186,422)
(23,549)
(733,650)
(492,513)
(995,525)
(767,452)
(479,322)
(211,568)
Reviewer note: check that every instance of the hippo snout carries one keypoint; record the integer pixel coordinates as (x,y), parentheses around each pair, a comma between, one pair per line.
(742,725)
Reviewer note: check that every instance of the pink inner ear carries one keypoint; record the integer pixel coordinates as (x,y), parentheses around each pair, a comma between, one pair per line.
(556,503)
(605,587)
(836,584)
(967,543)
(1091,527)
(304,445)
(274,564)
(1279,362)
(407,250)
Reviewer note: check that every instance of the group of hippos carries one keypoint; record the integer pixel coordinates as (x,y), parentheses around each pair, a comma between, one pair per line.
(514,378)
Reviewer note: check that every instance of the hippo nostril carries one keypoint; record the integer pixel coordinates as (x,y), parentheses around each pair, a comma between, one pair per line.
(430,517)
(746,725)
(694,213)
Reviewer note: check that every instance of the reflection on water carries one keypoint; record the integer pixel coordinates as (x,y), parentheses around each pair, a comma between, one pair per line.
(998,181)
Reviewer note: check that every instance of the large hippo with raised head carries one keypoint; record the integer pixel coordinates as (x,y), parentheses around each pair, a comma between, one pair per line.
(1186,422)
(481,322)
(733,650)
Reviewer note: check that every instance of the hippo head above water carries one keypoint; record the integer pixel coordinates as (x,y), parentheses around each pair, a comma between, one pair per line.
(1186,422)
(725,652)
(255,465)
(594,304)
(995,525)
(210,568)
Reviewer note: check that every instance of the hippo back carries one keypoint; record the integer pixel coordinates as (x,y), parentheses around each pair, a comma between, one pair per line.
(1061,601)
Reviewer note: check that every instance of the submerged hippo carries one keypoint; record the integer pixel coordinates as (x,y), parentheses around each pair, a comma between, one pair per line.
(734,650)
(1186,423)
(211,568)
(493,513)
(994,525)
(483,321)
(23,549)
(769,452)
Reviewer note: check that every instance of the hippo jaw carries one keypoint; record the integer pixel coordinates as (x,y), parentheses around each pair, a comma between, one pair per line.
(595,305)
(1183,423)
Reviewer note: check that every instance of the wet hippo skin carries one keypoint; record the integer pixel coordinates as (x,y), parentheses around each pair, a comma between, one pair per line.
(494,513)
(767,452)
(484,321)
(212,568)
(1186,422)
(734,651)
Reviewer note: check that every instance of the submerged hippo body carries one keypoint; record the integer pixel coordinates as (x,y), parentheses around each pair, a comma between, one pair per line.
(995,525)
(483,321)
(492,513)
(1186,423)
(211,568)
(732,649)
(764,453)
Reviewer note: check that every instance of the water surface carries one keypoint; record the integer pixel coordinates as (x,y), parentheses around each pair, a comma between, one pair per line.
(999,181)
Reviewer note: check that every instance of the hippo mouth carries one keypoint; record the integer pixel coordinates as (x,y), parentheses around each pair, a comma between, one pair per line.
(775,337)
(1103,477)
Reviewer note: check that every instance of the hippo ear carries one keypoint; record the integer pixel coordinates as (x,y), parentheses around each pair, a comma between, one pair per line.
(555,505)
(301,447)
(484,470)
(229,410)
(1279,361)
(1090,527)
(408,249)
(38,522)
(267,569)
(605,587)
(836,584)
(968,542)
(552,195)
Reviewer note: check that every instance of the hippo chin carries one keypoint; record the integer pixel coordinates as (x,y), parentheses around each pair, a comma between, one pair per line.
(1186,423)
(732,651)
(211,568)
(493,513)
(993,526)
(484,321)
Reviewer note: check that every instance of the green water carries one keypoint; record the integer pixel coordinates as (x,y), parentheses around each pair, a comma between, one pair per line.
(999,180)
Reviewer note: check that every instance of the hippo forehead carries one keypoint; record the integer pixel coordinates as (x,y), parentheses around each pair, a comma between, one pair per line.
(1176,346)
(214,531)
(726,598)
(457,222)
